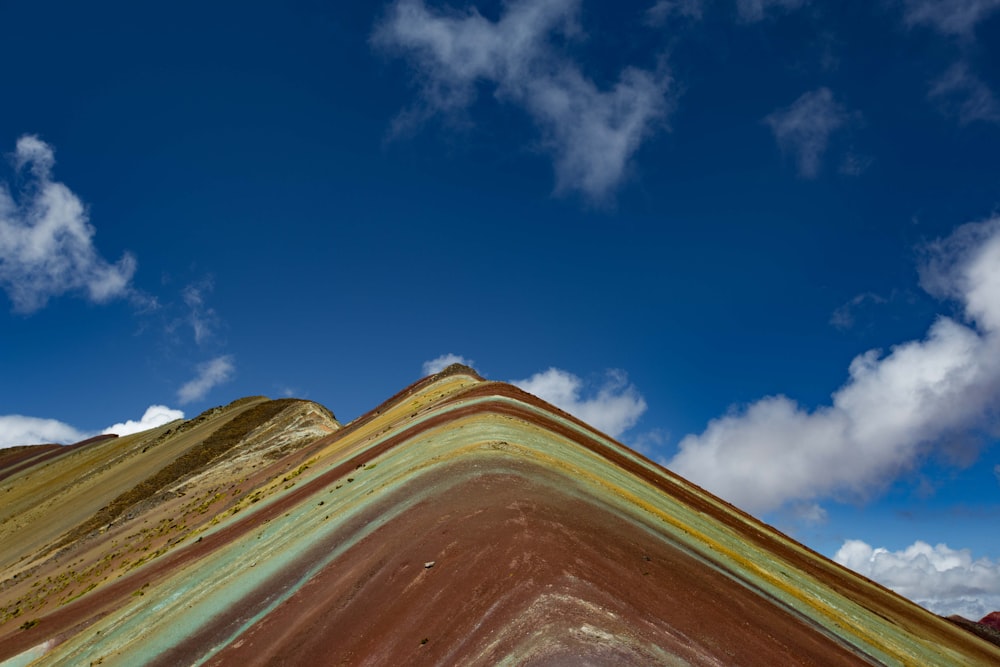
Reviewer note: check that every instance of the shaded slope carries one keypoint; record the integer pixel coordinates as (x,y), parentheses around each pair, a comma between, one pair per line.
(466,522)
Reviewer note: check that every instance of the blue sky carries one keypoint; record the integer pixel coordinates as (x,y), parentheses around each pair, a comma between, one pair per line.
(756,239)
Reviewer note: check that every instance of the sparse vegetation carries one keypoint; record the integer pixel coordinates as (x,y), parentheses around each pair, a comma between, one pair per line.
(214,446)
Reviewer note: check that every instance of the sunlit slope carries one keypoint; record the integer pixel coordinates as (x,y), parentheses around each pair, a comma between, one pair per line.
(466,522)
(72,522)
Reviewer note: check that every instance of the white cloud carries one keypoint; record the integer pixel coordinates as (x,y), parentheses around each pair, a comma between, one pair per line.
(996,471)
(944,580)
(46,240)
(892,410)
(804,128)
(590,133)
(755,10)
(210,374)
(964,95)
(155,415)
(662,11)
(613,407)
(951,17)
(20,430)
(439,364)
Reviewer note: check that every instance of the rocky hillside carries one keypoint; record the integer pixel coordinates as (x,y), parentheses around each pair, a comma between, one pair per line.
(73,519)
(460,522)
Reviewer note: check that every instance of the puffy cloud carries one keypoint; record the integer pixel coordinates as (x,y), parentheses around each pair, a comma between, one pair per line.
(965,266)
(804,128)
(591,133)
(20,430)
(964,95)
(46,240)
(755,10)
(892,410)
(440,363)
(155,415)
(950,17)
(612,407)
(944,580)
(210,374)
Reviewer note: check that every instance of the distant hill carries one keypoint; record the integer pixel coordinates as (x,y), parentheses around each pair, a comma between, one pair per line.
(461,522)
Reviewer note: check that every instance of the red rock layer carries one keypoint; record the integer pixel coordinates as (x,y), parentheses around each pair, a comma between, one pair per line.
(520,568)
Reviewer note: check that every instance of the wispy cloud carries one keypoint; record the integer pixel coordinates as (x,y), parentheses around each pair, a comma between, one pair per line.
(855,164)
(591,133)
(944,580)
(755,10)
(20,430)
(649,443)
(613,406)
(440,363)
(809,513)
(46,240)
(950,17)
(155,415)
(804,128)
(964,95)
(843,317)
(210,374)
(660,13)
(203,319)
(893,409)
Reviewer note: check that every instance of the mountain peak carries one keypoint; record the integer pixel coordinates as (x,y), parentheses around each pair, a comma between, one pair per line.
(461,521)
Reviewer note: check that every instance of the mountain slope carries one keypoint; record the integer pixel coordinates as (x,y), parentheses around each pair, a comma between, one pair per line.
(460,522)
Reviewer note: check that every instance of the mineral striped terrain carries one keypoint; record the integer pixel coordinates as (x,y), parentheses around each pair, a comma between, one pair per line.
(461,522)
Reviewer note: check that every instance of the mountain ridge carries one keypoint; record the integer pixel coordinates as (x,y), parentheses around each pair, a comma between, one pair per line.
(457,498)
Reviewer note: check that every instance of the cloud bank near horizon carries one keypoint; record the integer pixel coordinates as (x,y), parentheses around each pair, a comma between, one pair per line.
(47,242)
(16,430)
(155,415)
(591,133)
(894,410)
(944,580)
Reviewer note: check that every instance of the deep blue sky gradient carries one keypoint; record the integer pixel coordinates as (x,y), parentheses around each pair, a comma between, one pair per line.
(245,147)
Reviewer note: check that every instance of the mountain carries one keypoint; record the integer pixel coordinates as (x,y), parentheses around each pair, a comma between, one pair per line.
(460,522)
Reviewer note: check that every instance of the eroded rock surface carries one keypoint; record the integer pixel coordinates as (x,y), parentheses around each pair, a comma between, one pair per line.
(460,522)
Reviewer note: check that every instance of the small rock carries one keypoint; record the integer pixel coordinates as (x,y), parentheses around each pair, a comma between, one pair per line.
(429,564)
